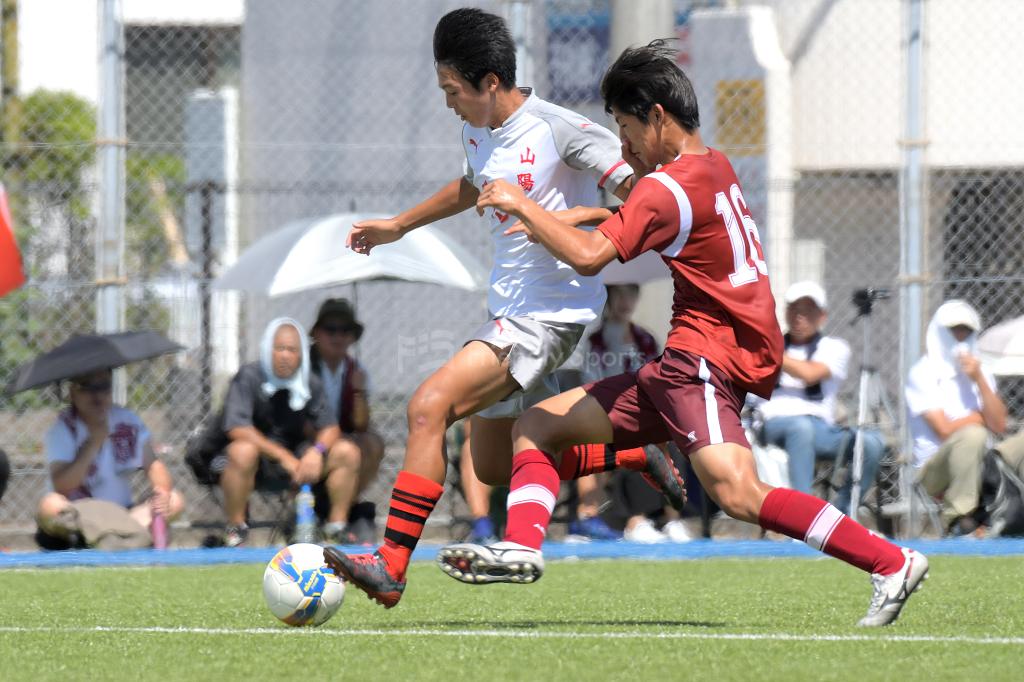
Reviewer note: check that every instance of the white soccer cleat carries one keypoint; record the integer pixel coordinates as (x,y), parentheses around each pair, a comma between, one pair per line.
(892,591)
(502,562)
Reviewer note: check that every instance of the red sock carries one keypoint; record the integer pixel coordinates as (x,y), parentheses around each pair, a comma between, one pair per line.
(824,527)
(412,500)
(531,497)
(583,460)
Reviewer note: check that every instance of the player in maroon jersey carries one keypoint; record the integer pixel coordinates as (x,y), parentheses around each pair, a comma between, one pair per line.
(725,341)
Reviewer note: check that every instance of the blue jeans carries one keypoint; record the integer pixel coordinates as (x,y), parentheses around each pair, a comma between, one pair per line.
(807,439)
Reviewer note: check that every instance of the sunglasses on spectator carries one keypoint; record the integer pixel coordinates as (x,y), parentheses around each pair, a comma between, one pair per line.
(99,387)
(337,329)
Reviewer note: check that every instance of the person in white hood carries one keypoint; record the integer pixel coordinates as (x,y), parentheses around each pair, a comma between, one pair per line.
(953,408)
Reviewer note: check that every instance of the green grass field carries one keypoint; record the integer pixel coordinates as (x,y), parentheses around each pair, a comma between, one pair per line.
(782,619)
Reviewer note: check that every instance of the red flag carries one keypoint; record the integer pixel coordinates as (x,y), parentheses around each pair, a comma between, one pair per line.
(11,274)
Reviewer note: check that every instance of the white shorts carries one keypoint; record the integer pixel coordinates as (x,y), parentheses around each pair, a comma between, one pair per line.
(535,350)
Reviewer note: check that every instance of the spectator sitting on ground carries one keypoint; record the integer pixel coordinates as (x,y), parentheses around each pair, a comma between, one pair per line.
(93,450)
(275,431)
(801,415)
(618,346)
(953,407)
(359,450)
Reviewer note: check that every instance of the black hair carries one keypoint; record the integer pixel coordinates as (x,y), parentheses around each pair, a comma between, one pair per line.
(475,43)
(644,76)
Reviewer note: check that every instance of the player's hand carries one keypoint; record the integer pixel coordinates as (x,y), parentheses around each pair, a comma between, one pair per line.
(502,196)
(160,501)
(640,168)
(519,227)
(367,234)
(310,467)
(570,216)
(970,366)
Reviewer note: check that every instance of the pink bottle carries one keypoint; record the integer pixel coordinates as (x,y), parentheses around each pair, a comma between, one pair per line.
(158,528)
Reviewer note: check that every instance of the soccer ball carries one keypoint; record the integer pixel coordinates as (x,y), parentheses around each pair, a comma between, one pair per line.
(299,588)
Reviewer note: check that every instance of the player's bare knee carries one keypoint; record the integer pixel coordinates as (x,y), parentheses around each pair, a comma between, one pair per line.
(428,409)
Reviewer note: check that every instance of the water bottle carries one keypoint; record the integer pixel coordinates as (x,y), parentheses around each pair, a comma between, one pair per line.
(305,517)
(158,529)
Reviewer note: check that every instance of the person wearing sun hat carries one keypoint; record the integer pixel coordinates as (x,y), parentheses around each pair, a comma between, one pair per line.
(801,415)
(359,450)
(953,407)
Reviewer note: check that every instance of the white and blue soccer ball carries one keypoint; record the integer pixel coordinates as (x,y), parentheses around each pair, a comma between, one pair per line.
(299,588)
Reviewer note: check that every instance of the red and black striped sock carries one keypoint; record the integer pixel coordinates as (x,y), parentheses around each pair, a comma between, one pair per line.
(412,500)
(583,460)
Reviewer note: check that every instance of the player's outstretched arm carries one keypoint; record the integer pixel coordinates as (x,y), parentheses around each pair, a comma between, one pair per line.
(453,198)
(587,252)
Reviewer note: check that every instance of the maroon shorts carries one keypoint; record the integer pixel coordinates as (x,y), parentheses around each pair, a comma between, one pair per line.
(680,396)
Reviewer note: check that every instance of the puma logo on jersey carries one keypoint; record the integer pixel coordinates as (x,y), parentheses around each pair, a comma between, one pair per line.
(476,145)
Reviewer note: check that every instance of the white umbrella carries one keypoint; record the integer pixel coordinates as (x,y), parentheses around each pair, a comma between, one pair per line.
(311,253)
(1002,347)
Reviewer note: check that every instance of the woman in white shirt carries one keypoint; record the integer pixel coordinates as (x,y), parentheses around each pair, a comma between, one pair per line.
(93,449)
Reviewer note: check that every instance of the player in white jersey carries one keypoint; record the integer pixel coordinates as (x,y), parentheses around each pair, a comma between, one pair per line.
(539,306)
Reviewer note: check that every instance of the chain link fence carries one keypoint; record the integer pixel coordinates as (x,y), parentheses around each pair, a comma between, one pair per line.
(236,126)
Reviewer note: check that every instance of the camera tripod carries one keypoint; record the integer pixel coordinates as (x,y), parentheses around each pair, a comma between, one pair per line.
(871,396)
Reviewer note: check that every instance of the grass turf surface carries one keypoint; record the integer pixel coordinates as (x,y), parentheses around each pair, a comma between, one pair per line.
(733,619)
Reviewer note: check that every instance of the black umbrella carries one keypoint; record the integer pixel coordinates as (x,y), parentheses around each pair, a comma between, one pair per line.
(85,353)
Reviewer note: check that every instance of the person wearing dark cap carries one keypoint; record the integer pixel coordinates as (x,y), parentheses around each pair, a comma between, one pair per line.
(359,450)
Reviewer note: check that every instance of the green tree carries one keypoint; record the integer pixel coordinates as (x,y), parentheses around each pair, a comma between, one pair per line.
(47,183)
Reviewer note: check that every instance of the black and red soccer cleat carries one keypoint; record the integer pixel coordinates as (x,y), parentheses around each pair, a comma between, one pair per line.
(369,573)
(661,473)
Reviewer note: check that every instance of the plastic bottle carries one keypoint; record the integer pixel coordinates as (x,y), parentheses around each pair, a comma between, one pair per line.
(305,518)
(158,529)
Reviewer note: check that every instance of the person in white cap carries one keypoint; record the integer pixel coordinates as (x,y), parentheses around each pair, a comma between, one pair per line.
(801,415)
(953,407)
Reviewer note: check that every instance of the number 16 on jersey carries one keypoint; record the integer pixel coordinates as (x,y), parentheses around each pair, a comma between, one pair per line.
(733,214)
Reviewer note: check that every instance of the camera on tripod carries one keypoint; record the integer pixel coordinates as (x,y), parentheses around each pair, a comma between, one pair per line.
(865,299)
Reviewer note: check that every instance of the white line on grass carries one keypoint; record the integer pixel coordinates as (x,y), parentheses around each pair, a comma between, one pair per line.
(514,634)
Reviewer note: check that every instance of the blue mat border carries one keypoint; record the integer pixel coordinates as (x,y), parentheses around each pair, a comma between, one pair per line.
(698,549)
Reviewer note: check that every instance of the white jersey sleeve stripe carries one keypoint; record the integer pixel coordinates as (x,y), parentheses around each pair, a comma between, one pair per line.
(685,213)
(607,174)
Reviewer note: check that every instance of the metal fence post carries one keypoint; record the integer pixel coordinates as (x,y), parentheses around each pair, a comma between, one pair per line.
(911,228)
(111,142)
